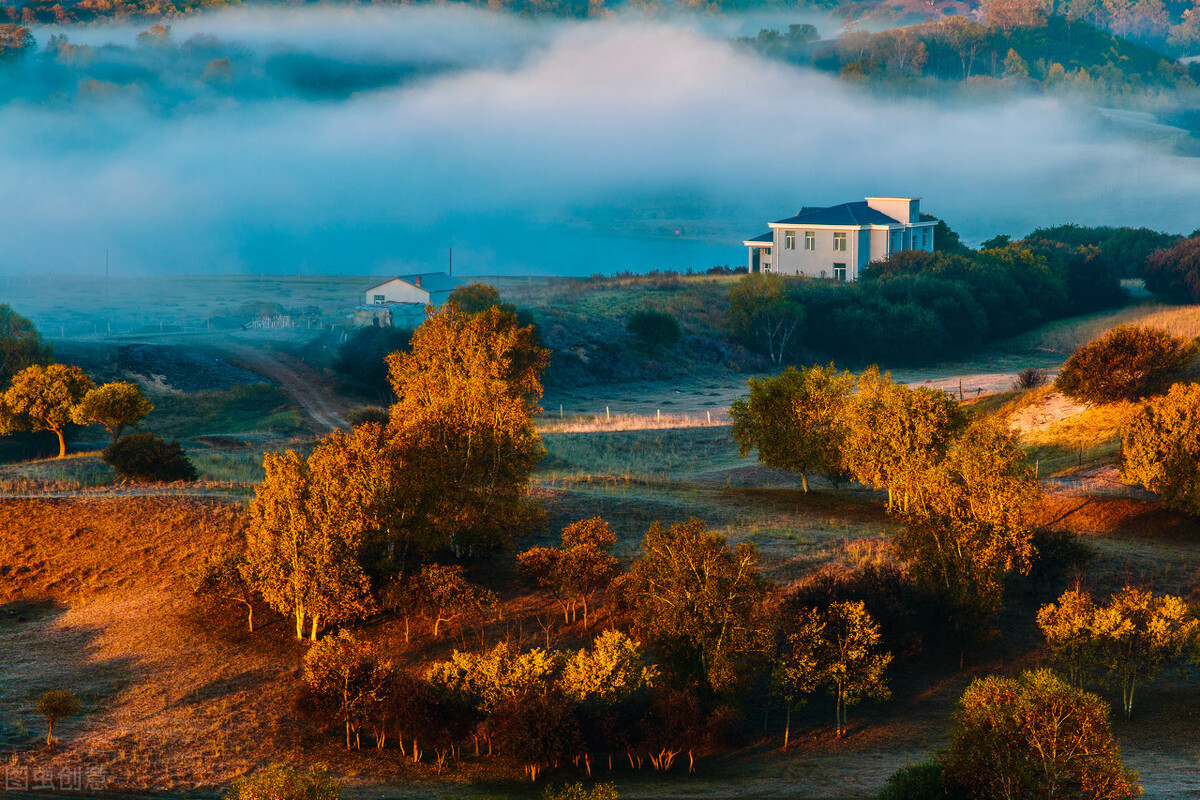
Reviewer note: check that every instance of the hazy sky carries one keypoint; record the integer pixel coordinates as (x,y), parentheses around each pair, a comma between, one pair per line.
(545,147)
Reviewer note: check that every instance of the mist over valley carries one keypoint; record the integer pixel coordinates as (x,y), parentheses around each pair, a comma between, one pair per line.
(370,141)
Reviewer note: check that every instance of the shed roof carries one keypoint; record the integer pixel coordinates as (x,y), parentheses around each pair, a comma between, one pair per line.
(432,282)
(846,214)
(769,236)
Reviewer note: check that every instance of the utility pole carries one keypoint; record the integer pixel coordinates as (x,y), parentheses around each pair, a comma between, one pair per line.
(450,264)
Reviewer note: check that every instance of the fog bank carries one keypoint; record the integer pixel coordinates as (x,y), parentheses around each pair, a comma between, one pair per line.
(529,147)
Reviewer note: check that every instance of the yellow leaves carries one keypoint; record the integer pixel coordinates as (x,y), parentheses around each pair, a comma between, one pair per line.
(895,436)
(612,670)
(43,399)
(1127,640)
(1034,736)
(113,405)
(305,535)
(1160,448)
(495,676)
(466,393)
(693,594)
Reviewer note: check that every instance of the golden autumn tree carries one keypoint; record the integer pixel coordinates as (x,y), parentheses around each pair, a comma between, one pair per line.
(1034,736)
(1068,627)
(850,656)
(895,436)
(1160,448)
(463,422)
(116,406)
(305,537)
(700,603)
(574,573)
(1137,633)
(43,399)
(970,529)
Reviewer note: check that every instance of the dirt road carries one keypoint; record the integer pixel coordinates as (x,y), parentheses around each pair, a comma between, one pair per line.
(294,377)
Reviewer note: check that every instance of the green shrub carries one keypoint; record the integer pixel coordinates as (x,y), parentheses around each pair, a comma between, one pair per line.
(285,782)
(577,791)
(921,781)
(1127,363)
(654,329)
(146,457)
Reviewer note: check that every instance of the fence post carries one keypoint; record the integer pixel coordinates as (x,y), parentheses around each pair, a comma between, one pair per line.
(607,416)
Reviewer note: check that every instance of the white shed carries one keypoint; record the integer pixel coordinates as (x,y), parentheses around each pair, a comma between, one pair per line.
(431,288)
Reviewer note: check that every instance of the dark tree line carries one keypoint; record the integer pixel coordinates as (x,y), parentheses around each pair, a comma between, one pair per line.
(916,307)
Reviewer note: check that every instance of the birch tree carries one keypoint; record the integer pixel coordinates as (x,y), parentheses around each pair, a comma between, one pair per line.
(762,312)
(795,420)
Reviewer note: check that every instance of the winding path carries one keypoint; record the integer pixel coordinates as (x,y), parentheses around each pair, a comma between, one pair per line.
(295,378)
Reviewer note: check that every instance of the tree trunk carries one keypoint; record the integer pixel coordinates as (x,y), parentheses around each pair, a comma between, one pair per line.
(299,613)
(50,734)
(62,444)
(840,712)
(316,626)
(787,727)
(249,615)
(804,481)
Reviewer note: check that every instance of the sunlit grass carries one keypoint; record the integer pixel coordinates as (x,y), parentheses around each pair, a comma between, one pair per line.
(1088,439)
(1065,335)
(638,454)
(630,422)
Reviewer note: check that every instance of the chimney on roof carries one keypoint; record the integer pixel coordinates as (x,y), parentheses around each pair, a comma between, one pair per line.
(417,281)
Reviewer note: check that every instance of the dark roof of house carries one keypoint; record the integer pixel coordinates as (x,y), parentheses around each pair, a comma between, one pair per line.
(846,214)
(432,282)
(769,236)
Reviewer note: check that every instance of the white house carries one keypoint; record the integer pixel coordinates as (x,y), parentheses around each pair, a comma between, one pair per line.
(430,288)
(401,301)
(836,242)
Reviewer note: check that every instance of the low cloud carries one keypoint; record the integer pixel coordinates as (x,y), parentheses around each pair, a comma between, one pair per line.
(544,147)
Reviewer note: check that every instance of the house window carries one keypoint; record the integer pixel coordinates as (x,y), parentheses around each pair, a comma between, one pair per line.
(380,299)
(839,272)
(766,251)
(789,240)
(924,239)
(839,242)
(810,240)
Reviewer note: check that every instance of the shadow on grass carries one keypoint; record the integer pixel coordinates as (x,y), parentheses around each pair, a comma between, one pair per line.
(45,651)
